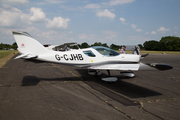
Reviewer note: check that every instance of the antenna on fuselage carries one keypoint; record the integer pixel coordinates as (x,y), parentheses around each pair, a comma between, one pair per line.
(78,46)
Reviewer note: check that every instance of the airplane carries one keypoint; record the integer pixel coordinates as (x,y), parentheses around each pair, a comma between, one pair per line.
(95,58)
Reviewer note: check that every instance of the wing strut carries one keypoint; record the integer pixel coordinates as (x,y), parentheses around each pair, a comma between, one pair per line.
(108,73)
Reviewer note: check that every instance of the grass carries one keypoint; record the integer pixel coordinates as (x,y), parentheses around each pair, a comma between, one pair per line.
(160,52)
(156,52)
(5,55)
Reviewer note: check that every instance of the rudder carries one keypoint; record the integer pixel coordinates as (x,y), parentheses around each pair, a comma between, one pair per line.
(27,44)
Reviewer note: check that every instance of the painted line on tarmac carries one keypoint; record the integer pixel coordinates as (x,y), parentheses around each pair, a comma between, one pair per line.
(43,83)
(163,100)
(120,111)
(116,108)
(177,68)
(176,78)
(141,107)
(75,75)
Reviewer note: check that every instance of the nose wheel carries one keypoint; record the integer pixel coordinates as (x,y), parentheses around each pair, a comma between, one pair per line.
(128,74)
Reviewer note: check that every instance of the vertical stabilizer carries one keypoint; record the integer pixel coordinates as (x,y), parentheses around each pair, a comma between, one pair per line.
(27,44)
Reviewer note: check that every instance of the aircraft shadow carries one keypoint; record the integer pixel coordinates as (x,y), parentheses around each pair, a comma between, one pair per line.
(121,86)
(33,80)
(30,81)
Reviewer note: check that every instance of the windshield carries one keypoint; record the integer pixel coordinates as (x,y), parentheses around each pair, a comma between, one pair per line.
(105,51)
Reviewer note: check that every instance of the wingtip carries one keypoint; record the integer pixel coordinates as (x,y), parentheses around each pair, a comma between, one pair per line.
(163,66)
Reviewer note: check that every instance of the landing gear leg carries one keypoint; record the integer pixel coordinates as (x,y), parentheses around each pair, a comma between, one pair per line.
(94,72)
(108,73)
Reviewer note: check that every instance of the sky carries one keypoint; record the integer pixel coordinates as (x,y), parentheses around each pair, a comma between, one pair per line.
(121,22)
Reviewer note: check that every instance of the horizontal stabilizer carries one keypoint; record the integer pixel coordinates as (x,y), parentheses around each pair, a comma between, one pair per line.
(26,56)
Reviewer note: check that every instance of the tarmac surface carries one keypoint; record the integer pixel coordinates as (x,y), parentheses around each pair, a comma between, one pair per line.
(44,91)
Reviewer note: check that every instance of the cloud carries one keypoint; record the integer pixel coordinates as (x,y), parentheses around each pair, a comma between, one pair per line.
(72,8)
(49,34)
(116,2)
(55,1)
(109,34)
(133,26)
(92,6)
(176,28)
(13,17)
(138,38)
(153,32)
(88,37)
(57,23)
(14,2)
(123,21)
(38,15)
(83,36)
(106,13)
(44,2)
(31,30)
(138,30)
(147,33)
(162,29)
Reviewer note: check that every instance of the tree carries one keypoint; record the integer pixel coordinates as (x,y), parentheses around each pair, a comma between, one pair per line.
(151,45)
(171,43)
(167,43)
(115,47)
(1,46)
(140,46)
(14,46)
(97,44)
(84,45)
(105,45)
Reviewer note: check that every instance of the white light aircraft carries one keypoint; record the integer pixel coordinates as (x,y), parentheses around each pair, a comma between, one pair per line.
(94,59)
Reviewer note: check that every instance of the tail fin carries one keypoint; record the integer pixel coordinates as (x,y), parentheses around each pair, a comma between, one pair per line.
(27,44)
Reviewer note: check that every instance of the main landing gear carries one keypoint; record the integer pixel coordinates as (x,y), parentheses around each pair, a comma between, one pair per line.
(109,78)
(128,74)
(94,72)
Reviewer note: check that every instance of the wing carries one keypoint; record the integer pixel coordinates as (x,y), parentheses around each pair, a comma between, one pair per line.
(132,67)
(116,66)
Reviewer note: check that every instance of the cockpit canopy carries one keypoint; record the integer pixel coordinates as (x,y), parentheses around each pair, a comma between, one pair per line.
(105,51)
